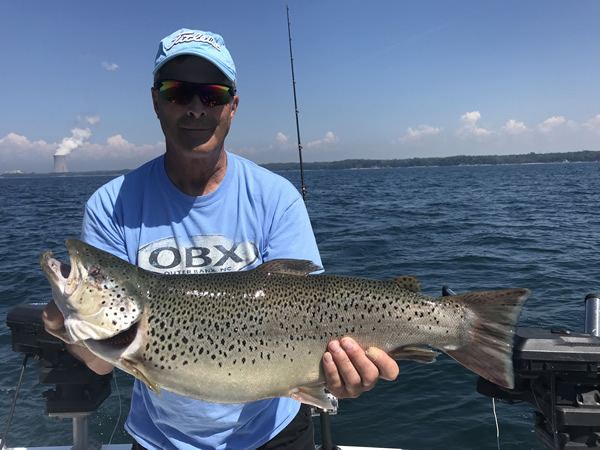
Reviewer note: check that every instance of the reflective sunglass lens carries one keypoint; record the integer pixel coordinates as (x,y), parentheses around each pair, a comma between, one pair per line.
(183,93)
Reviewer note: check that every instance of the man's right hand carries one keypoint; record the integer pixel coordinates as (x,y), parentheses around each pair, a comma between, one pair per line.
(54,322)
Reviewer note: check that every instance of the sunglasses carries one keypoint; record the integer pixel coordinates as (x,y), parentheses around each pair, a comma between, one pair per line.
(182,93)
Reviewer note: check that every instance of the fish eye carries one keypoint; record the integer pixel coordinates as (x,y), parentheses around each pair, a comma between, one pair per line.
(96,273)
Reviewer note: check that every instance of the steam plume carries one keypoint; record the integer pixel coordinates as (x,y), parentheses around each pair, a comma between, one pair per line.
(77,138)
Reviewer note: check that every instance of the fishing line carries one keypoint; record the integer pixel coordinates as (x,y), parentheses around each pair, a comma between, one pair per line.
(14,403)
(496,420)
(119,400)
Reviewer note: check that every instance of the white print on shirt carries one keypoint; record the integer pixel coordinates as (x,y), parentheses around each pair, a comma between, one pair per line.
(211,253)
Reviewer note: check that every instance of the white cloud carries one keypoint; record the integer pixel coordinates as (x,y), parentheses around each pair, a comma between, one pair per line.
(551,123)
(593,124)
(327,141)
(514,127)
(18,153)
(14,141)
(91,120)
(470,127)
(109,66)
(281,138)
(119,142)
(422,131)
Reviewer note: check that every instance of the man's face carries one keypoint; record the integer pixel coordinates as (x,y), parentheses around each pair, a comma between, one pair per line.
(193,130)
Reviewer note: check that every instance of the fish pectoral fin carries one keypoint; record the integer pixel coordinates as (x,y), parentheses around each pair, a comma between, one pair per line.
(130,366)
(288,267)
(422,355)
(408,282)
(312,395)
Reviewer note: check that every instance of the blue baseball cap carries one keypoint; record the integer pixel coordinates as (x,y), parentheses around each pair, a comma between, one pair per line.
(204,44)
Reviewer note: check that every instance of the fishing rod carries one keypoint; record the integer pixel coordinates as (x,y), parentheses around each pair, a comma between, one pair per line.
(326,438)
(296,107)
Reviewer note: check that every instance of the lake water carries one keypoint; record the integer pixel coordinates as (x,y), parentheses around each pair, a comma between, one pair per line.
(472,228)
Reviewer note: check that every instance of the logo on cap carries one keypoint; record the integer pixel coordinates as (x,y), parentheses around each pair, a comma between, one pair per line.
(193,37)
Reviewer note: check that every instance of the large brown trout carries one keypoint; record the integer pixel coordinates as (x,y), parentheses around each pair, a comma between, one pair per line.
(245,336)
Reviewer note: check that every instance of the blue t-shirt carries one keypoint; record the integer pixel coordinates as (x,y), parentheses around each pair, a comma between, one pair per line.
(253,216)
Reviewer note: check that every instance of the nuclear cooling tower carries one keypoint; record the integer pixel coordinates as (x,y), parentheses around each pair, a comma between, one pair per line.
(60,163)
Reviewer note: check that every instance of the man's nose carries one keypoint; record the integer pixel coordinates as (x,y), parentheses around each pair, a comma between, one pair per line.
(196,108)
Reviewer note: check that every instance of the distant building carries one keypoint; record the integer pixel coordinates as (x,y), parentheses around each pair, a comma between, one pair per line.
(60,163)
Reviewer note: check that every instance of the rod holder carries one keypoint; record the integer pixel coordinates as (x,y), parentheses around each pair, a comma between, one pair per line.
(592,314)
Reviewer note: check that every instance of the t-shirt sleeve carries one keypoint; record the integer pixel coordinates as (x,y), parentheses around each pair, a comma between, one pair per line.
(291,235)
(100,226)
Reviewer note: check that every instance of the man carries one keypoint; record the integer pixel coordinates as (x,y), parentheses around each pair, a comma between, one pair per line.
(199,209)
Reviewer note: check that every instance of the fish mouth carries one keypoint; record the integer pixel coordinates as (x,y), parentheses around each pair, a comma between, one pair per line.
(55,270)
(123,339)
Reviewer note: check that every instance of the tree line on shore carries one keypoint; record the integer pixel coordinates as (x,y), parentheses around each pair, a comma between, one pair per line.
(460,160)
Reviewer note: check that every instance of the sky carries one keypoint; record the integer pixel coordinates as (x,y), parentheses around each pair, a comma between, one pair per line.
(381,79)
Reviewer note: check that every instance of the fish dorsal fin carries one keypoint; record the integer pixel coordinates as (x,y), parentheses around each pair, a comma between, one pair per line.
(288,267)
(408,282)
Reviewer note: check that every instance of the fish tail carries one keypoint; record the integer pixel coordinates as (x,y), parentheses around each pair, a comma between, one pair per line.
(490,350)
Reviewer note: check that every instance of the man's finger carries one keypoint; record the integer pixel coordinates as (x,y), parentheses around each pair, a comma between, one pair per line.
(388,368)
(366,370)
(333,380)
(342,353)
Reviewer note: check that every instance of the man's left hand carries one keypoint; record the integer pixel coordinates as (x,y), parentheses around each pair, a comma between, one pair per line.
(350,370)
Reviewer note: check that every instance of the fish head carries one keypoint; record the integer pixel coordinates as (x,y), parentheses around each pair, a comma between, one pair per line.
(97,293)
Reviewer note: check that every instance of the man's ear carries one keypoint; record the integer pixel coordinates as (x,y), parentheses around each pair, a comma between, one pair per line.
(236,101)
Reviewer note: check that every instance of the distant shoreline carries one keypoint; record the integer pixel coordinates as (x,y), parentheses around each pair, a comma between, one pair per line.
(445,161)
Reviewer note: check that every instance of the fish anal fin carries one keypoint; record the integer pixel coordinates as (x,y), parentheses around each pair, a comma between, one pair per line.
(422,355)
(312,395)
(408,282)
(130,367)
(288,267)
